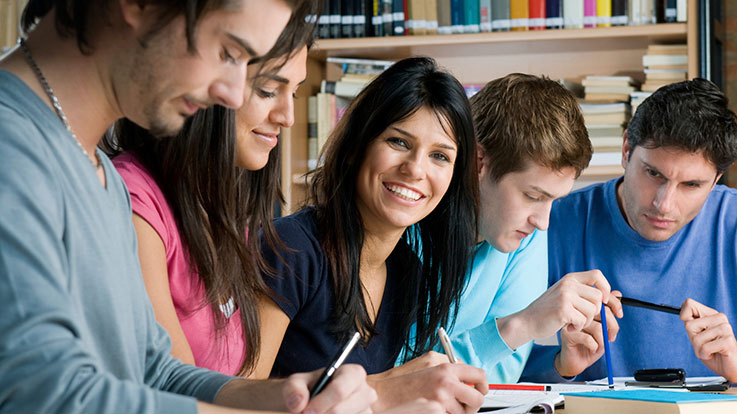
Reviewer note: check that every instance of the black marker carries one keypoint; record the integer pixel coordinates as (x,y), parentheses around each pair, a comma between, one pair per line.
(647,305)
(337,361)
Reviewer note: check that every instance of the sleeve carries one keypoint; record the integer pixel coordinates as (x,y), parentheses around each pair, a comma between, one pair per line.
(525,279)
(144,199)
(45,368)
(298,269)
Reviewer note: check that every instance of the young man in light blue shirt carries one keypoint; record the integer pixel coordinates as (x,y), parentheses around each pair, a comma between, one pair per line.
(532,144)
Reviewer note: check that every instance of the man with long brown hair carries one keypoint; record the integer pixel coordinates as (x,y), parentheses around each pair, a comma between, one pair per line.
(77,332)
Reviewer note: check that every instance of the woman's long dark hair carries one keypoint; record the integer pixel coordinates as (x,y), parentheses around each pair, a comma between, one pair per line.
(220,208)
(443,241)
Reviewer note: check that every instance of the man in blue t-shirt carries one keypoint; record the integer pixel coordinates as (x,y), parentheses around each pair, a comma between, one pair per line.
(663,233)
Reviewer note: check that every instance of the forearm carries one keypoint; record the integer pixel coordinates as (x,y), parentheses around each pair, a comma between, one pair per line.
(514,330)
(254,394)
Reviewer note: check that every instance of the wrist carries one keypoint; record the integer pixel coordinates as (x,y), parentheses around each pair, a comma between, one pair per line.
(513,330)
(558,366)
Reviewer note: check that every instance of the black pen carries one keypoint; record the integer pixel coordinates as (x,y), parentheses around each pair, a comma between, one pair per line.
(647,305)
(337,361)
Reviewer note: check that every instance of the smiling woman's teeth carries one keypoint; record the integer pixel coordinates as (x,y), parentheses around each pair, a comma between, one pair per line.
(404,193)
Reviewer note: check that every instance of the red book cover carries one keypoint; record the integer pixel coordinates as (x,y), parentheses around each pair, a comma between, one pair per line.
(537,15)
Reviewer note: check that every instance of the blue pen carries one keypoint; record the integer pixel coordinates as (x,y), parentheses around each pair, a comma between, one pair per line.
(607,352)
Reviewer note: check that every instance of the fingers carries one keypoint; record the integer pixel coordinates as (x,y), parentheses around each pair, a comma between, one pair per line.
(346,392)
(612,324)
(594,278)
(691,309)
(448,386)
(614,304)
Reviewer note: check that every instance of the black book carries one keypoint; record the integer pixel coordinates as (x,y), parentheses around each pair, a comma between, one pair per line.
(336,28)
(359,18)
(399,13)
(387,17)
(323,23)
(346,18)
(671,11)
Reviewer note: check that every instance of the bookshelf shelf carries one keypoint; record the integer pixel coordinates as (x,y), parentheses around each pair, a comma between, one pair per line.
(481,57)
(668,32)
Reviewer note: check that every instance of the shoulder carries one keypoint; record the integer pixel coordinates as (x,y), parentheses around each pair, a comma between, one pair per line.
(298,230)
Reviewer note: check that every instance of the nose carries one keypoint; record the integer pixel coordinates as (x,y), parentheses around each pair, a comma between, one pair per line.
(228,89)
(663,200)
(412,165)
(541,219)
(283,112)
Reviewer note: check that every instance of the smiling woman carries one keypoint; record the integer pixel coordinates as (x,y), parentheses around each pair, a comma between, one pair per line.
(392,225)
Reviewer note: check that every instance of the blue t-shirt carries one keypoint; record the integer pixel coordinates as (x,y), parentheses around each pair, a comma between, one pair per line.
(587,231)
(303,289)
(497,285)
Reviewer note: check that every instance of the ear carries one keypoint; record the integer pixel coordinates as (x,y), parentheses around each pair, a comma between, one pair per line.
(134,13)
(715,180)
(481,159)
(625,150)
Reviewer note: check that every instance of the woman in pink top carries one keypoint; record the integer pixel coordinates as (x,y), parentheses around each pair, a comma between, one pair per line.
(194,203)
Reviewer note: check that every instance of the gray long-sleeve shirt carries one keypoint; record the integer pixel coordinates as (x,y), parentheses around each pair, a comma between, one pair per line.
(77,330)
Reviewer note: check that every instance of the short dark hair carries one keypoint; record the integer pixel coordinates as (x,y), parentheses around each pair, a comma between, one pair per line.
(691,115)
(74,17)
(443,240)
(520,118)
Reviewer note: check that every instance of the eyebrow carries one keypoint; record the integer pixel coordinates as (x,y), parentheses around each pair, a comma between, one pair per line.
(244,45)
(280,79)
(543,192)
(700,182)
(444,146)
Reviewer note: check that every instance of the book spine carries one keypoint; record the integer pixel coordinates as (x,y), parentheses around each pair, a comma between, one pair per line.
(537,14)
(519,14)
(456,15)
(485,15)
(635,12)
(647,11)
(336,27)
(500,21)
(619,13)
(323,22)
(359,18)
(589,13)
(681,11)
(553,14)
(377,23)
(431,16)
(312,152)
(398,18)
(573,14)
(671,11)
(445,25)
(346,18)
(471,16)
(603,13)
(387,17)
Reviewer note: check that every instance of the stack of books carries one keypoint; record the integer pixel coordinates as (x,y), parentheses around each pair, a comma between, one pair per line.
(664,64)
(605,123)
(636,99)
(346,78)
(608,88)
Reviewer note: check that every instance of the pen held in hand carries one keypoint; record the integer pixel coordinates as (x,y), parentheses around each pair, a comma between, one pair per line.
(336,362)
(647,305)
(447,347)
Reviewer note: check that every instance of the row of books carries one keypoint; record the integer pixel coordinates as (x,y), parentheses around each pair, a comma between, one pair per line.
(372,18)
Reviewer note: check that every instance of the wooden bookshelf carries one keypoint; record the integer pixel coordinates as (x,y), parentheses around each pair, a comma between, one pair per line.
(478,58)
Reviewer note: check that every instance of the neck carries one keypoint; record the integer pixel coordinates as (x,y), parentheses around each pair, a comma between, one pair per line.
(78,81)
(377,247)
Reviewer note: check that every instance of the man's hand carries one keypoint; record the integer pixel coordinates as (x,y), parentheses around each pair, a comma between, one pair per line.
(581,348)
(348,392)
(711,337)
(446,384)
(572,304)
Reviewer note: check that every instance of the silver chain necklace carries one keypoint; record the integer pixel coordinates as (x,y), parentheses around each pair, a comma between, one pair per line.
(96,164)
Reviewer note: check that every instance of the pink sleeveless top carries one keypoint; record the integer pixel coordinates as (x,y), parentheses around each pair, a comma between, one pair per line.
(224,353)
